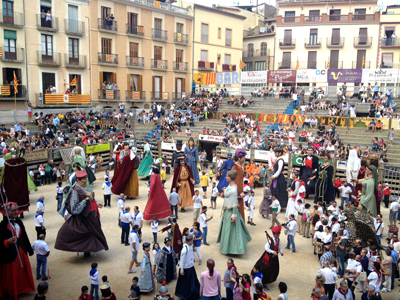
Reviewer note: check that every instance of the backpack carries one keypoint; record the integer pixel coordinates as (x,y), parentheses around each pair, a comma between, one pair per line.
(304,217)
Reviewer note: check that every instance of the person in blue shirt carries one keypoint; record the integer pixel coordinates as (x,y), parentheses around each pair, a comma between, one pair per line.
(376,90)
(197,237)
(193,88)
(56,121)
(17,127)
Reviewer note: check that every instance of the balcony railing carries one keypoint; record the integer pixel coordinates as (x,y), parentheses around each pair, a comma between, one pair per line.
(180,66)
(358,65)
(16,20)
(108,58)
(52,59)
(390,42)
(135,62)
(108,95)
(176,96)
(262,52)
(362,41)
(309,19)
(311,65)
(160,34)
(338,18)
(7,92)
(389,65)
(17,56)
(333,42)
(369,17)
(162,5)
(258,31)
(156,95)
(76,62)
(290,19)
(205,66)
(181,38)
(228,68)
(134,29)
(292,65)
(74,27)
(159,64)
(287,43)
(228,42)
(43,23)
(109,25)
(135,95)
(333,64)
(312,42)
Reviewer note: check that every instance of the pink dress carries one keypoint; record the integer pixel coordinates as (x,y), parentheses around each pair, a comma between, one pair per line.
(237,295)
(246,295)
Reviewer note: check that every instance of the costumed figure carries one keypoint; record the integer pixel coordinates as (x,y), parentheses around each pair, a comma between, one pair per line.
(233,234)
(15,177)
(15,268)
(116,151)
(240,157)
(324,189)
(353,167)
(192,156)
(144,169)
(308,171)
(265,209)
(228,164)
(374,168)
(82,231)
(297,191)
(125,179)
(167,263)
(106,293)
(368,200)
(278,179)
(176,235)
(157,204)
(361,175)
(184,182)
(271,163)
(163,293)
(187,286)
(146,281)
(176,153)
(78,155)
(269,261)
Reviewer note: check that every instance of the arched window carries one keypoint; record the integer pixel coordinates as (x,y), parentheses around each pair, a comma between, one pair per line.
(263,49)
(250,50)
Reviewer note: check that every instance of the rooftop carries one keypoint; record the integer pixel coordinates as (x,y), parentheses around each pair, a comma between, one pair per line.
(301,2)
(218,11)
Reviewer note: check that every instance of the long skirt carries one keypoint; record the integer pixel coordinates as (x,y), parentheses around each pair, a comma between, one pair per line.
(144,168)
(188,286)
(132,188)
(268,267)
(278,190)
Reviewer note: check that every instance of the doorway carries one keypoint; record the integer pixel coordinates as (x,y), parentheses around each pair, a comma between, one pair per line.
(210,148)
(78,83)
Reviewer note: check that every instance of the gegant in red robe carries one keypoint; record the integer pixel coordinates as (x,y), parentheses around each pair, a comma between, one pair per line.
(157,204)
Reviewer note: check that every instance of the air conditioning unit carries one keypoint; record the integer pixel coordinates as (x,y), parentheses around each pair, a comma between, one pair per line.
(262,29)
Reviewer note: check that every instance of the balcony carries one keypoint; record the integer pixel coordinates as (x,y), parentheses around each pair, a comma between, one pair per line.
(333,42)
(389,65)
(135,62)
(358,65)
(263,52)
(205,66)
(159,64)
(180,66)
(74,27)
(156,95)
(107,25)
(324,18)
(159,34)
(390,42)
(362,42)
(14,57)
(310,19)
(16,20)
(7,92)
(370,17)
(46,25)
(176,96)
(338,18)
(165,6)
(79,62)
(286,20)
(228,68)
(105,58)
(287,43)
(135,96)
(334,65)
(181,38)
(312,43)
(48,59)
(292,65)
(134,30)
(108,95)
(259,31)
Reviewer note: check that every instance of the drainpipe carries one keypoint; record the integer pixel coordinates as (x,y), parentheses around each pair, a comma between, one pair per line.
(26,57)
(194,25)
(89,61)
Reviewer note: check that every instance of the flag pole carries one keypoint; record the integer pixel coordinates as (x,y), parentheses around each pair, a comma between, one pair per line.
(76,94)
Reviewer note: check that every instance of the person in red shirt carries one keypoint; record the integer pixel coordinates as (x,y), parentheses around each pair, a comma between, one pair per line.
(85,294)
(337,183)
(251,181)
(386,194)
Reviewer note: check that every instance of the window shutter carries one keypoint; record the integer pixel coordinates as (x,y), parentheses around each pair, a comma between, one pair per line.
(139,83)
(335,36)
(101,80)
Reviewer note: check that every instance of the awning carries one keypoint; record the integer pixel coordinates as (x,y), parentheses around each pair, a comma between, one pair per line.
(45,3)
(10,35)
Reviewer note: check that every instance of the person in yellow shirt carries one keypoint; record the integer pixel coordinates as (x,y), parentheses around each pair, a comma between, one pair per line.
(163,176)
(61,117)
(204,184)
(211,175)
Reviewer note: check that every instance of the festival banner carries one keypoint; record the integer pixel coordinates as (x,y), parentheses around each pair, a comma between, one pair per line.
(98,148)
(282,76)
(379,75)
(254,77)
(109,94)
(363,122)
(344,75)
(5,90)
(298,160)
(170,146)
(311,75)
(264,154)
(205,78)
(211,138)
(72,99)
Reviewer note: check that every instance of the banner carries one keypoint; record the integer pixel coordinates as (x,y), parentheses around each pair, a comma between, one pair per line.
(264,154)
(211,138)
(98,148)
(298,160)
(254,77)
(109,94)
(205,78)
(5,90)
(227,78)
(282,76)
(363,122)
(310,75)
(344,75)
(379,75)
(170,146)
(66,98)
(72,99)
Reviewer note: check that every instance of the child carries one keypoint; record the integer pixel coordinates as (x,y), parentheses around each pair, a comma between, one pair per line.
(156,256)
(135,290)
(251,181)
(204,184)
(394,208)
(107,185)
(203,224)
(386,194)
(107,175)
(306,224)
(211,174)
(337,184)
(163,176)
(85,294)
(250,208)
(154,229)
(60,194)
(42,290)
(214,194)
(246,191)
(170,222)
(276,209)
(260,293)
(256,279)
(104,279)
(94,281)
(300,210)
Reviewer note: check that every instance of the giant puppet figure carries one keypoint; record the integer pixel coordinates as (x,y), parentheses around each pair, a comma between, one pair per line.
(183,182)
(175,154)
(278,186)
(240,156)
(353,167)
(116,152)
(78,155)
(308,171)
(192,157)
(144,169)
(228,164)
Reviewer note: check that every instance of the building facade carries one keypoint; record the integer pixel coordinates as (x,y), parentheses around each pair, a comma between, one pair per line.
(389,41)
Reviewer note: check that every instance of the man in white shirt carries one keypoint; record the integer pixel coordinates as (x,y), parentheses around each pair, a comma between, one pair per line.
(394,208)
(220,163)
(39,223)
(159,108)
(203,224)
(134,241)
(107,185)
(138,220)
(126,222)
(197,205)
(42,252)
(379,226)
(330,278)
(334,208)
(291,228)
(345,193)
(121,106)
(353,270)
(294,98)
(40,204)
(214,194)
(121,206)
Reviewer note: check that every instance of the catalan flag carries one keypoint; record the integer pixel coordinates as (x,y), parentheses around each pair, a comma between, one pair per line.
(267,65)
(242,65)
(297,64)
(73,82)
(363,63)
(327,65)
(15,84)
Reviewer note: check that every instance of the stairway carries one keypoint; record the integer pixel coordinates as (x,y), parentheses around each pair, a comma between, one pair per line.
(289,110)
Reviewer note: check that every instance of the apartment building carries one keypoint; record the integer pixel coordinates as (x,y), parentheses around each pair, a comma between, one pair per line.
(389,41)
(142,46)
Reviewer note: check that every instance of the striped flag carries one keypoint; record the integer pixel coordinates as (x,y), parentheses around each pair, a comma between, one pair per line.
(327,65)
(297,64)
(363,63)
(73,82)
(242,65)
(15,84)
(267,64)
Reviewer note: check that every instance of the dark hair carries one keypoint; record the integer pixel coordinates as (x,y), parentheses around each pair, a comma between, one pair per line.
(259,287)
(247,277)
(155,245)
(257,267)
(104,278)
(135,227)
(204,207)
(135,279)
(320,228)
(377,266)
(196,224)
(307,205)
(137,207)
(84,288)
(59,183)
(282,287)
(78,166)
(185,231)
(94,265)
(352,255)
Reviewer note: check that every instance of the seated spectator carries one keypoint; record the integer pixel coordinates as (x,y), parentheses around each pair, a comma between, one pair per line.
(379,125)
(307,122)
(314,122)
(372,126)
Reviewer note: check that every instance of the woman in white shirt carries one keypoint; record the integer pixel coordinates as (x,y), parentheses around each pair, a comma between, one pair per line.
(375,277)
(317,240)
(327,237)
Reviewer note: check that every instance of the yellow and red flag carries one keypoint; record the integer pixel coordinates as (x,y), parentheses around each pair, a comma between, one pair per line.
(73,82)
(242,65)
(297,64)
(363,63)
(327,65)
(15,84)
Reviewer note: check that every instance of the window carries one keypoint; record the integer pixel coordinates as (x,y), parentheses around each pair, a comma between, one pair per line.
(263,49)
(47,80)
(260,66)
(179,55)
(250,50)
(106,46)
(334,15)
(10,51)
(359,14)
(228,37)
(158,28)
(135,82)
(314,15)
(132,23)
(8,12)
(248,67)
(289,14)
(133,49)
(73,18)
(204,55)
(360,57)
(313,36)
(47,45)
(227,59)
(219,32)
(73,51)
(387,60)
(179,27)
(287,40)
(219,59)
(335,36)
(334,60)
(204,33)
(286,60)
(312,60)
(157,52)
(105,11)
(363,36)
